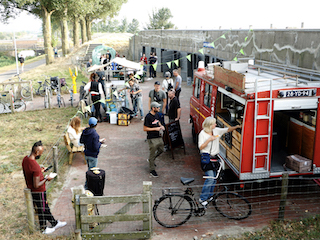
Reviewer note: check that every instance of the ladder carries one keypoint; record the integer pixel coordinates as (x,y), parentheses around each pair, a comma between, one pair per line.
(257,139)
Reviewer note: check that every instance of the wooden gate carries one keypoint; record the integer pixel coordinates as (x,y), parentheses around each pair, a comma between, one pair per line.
(105,219)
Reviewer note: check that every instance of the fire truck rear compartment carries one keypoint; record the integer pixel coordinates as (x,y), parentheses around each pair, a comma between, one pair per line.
(293,133)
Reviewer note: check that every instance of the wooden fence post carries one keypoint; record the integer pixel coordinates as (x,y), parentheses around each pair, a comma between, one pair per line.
(11,101)
(55,161)
(147,206)
(284,193)
(77,232)
(30,210)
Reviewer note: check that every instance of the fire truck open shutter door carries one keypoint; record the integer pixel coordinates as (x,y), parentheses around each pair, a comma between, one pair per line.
(295,104)
(232,95)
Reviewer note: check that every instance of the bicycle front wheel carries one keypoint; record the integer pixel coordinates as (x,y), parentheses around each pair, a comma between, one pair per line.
(232,205)
(173,210)
(19,105)
(2,107)
(26,92)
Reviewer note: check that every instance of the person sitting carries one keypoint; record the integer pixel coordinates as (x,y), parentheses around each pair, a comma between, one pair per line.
(74,131)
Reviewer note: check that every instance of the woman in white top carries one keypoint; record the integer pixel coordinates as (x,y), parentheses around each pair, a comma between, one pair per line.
(208,143)
(74,131)
(167,84)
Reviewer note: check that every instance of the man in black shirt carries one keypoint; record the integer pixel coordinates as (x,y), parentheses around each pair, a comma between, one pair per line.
(153,127)
(174,111)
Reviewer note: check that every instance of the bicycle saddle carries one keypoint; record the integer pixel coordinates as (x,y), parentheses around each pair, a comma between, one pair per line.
(186,181)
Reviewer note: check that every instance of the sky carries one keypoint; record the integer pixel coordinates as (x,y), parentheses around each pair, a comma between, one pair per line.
(209,14)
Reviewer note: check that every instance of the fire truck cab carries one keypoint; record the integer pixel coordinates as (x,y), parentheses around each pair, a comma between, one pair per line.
(277,111)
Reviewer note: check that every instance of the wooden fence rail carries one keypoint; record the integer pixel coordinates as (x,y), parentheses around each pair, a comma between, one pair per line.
(84,220)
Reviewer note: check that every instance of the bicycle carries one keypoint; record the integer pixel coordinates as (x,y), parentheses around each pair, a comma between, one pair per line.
(174,209)
(25,91)
(18,104)
(83,102)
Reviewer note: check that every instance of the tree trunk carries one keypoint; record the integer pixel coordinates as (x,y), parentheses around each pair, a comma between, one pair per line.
(64,33)
(83,30)
(46,29)
(76,42)
(88,25)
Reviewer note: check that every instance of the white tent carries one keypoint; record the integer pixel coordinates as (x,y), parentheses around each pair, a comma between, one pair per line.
(120,61)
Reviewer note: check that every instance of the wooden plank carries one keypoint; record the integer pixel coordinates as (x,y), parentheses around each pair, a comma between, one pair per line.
(84,213)
(126,208)
(233,159)
(113,199)
(236,144)
(224,123)
(307,144)
(230,78)
(235,152)
(236,135)
(114,218)
(131,235)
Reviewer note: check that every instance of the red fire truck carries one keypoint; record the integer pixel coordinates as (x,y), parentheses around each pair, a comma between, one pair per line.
(278,113)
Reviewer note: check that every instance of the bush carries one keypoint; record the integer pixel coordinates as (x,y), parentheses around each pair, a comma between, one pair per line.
(6,60)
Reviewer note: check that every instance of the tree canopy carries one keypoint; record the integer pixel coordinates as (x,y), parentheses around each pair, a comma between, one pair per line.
(160,19)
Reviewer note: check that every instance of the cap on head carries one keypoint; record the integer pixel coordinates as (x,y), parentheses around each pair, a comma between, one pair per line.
(167,74)
(93,121)
(154,104)
(157,83)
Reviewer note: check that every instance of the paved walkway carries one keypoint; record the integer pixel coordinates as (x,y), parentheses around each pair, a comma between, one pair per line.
(124,160)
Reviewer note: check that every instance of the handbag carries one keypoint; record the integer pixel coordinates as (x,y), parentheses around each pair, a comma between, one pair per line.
(205,157)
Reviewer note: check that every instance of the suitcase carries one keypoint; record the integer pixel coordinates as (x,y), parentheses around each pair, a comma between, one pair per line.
(95,181)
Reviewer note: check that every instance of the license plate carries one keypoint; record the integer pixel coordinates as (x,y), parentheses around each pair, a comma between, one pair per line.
(298,93)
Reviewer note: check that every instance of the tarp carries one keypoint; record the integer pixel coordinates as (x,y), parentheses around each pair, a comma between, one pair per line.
(120,61)
(98,51)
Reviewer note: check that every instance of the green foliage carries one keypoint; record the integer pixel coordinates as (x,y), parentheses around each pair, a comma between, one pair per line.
(124,26)
(6,60)
(160,19)
(8,168)
(133,27)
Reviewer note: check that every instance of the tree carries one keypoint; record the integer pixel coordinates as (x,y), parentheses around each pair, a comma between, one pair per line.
(133,27)
(160,19)
(124,26)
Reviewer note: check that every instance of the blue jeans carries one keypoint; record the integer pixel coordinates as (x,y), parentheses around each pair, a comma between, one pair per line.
(208,186)
(91,162)
(137,105)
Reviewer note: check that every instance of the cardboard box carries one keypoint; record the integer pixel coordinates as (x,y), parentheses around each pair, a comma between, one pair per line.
(123,122)
(123,116)
(298,163)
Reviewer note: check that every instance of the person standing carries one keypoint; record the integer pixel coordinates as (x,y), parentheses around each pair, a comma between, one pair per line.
(89,63)
(153,126)
(92,143)
(155,62)
(209,148)
(159,96)
(177,83)
(167,84)
(145,60)
(152,60)
(96,91)
(36,182)
(174,111)
(21,60)
(136,97)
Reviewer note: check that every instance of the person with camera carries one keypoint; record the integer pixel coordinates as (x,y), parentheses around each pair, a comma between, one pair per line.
(208,143)
(167,84)
(159,96)
(136,97)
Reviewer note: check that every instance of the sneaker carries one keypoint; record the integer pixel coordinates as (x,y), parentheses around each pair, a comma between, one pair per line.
(48,230)
(203,203)
(153,173)
(153,164)
(142,119)
(60,224)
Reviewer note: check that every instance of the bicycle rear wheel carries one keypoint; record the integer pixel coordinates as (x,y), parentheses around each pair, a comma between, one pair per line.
(61,102)
(26,92)
(232,205)
(173,210)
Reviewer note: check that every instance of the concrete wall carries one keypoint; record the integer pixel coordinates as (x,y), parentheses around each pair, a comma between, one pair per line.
(292,47)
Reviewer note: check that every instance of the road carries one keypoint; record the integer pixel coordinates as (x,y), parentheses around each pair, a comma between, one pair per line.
(27,67)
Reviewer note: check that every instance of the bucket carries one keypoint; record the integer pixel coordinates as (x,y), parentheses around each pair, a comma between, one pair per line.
(113,117)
